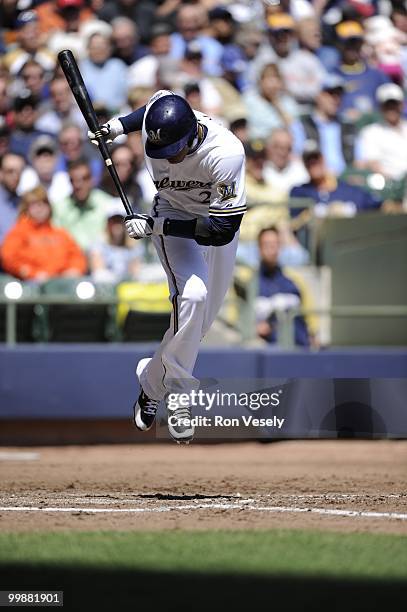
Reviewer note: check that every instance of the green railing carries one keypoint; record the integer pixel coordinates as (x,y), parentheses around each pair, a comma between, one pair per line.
(245,325)
(285,319)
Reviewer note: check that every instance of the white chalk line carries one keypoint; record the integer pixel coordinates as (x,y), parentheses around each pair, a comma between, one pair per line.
(18,456)
(212,506)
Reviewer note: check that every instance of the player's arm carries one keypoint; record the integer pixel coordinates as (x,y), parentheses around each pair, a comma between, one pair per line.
(225,211)
(133,122)
(122,125)
(209,231)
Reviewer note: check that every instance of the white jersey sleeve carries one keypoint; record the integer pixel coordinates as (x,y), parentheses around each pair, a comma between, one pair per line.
(229,181)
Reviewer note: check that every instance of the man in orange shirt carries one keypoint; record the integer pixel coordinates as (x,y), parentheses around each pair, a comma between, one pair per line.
(65,15)
(36,250)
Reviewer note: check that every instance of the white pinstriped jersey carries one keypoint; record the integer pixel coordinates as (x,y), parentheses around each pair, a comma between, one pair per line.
(210,181)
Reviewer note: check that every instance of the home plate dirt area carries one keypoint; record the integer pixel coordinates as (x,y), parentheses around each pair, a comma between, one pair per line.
(356,486)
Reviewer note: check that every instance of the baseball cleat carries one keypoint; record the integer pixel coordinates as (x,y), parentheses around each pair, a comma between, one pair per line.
(145,410)
(179,425)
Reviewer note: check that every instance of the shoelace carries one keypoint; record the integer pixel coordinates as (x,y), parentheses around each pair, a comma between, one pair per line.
(182,413)
(150,407)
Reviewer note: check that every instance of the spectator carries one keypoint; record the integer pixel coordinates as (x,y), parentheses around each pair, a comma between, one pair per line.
(76,29)
(83,212)
(62,108)
(234,66)
(328,192)
(277,292)
(124,161)
(230,106)
(73,146)
(29,46)
(222,26)
(301,69)
(266,205)
(33,78)
(279,44)
(298,9)
(106,77)
(269,107)
(192,94)
(4,137)
(258,191)
(240,129)
(399,15)
(143,73)
(25,108)
(310,38)
(335,135)
(11,168)
(112,261)
(191,22)
(383,145)
(282,169)
(190,71)
(62,15)
(36,250)
(5,102)
(125,41)
(139,96)
(249,38)
(385,50)
(140,12)
(361,80)
(43,158)
(8,18)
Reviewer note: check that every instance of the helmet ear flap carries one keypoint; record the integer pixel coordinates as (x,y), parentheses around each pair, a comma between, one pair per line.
(193,136)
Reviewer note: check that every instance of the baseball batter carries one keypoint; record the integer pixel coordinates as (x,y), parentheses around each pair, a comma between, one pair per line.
(198,169)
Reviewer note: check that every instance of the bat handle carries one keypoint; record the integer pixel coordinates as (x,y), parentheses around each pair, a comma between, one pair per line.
(104,150)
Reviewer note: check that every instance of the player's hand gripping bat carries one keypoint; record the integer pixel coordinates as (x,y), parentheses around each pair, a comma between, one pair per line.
(78,88)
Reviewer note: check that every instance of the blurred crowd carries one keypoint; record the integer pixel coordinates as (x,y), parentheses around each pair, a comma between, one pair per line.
(315,89)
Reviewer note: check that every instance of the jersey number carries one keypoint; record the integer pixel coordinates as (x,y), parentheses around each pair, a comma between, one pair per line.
(207,196)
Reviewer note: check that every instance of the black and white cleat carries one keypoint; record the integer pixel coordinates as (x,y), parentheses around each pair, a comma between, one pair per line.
(144,412)
(180,425)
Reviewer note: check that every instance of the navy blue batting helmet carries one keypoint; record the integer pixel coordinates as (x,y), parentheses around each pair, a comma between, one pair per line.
(170,124)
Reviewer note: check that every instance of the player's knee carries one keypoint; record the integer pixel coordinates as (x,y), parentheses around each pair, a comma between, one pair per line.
(195,290)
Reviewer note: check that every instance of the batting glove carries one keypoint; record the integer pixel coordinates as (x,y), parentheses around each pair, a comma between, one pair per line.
(110,130)
(143,226)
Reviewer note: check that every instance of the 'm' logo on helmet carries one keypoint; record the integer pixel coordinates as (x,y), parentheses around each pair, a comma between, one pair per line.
(154,136)
(169,123)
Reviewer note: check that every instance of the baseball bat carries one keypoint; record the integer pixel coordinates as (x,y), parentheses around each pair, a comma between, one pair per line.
(78,88)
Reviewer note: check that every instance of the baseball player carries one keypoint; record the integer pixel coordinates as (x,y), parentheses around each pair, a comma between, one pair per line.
(198,169)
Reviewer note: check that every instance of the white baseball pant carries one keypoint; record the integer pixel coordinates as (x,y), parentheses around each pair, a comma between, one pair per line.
(198,279)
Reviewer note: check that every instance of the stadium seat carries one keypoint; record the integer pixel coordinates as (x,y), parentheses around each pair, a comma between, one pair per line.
(26,330)
(144,311)
(75,321)
(145,326)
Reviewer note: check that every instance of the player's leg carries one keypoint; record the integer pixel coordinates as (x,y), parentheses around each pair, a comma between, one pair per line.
(221,263)
(170,369)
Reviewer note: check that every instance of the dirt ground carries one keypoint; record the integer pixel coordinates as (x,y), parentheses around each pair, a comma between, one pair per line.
(313,484)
